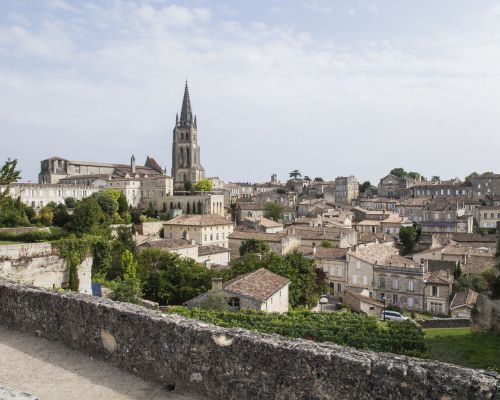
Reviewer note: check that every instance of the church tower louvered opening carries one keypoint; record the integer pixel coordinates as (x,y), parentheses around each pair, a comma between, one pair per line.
(186,166)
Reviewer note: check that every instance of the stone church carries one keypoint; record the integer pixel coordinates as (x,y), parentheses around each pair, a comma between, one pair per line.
(186,166)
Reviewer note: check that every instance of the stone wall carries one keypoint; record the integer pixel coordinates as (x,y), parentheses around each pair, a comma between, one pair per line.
(39,264)
(444,323)
(486,315)
(149,228)
(221,363)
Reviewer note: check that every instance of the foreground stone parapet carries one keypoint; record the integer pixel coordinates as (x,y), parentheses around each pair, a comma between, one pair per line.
(7,394)
(221,363)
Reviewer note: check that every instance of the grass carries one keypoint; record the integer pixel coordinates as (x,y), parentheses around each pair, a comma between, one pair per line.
(460,346)
(3,242)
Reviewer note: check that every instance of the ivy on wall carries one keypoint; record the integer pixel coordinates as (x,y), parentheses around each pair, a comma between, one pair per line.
(74,250)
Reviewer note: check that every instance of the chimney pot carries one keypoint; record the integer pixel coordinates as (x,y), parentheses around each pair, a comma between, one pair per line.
(216,283)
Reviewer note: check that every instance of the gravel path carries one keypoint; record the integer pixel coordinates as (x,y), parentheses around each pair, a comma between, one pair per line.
(51,371)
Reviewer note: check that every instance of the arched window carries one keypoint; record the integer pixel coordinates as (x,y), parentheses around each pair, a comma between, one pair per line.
(188,159)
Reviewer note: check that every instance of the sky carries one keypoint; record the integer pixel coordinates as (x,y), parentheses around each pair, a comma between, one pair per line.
(328,87)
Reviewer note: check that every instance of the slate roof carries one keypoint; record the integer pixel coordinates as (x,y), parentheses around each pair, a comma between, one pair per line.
(259,285)
(382,255)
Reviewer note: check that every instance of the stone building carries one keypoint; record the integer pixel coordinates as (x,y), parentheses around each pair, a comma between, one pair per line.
(204,229)
(39,195)
(488,216)
(485,185)
(346,189)
(391,185)
(186,165)
(258,290)
(333,262)
(437,189)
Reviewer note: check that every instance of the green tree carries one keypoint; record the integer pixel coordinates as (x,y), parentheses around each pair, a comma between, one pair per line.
(306,178)
(408,236)
(123,208)
(188,186)
(414,175)
(295,174)
(281,191)
(128,289)
(365,185)
(108,202)
(70,202)
(326,244)
(188,208)
(12,213)
(61,215)
(214,301)
(273,211)
(204,185)
(150,212)
(399,172)
(169,279)
(435,178)
(253,246)
(45,216)
(318,179)
(87,216)
(9,174)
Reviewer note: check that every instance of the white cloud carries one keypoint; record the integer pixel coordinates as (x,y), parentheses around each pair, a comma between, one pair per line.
(275,99)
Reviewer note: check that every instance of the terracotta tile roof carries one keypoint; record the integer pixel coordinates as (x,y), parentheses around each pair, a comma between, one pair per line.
(360,297)
(464,299)
(436,265)
(253,234)
(382,255)
(474,237)
(331,253)
(168,244)
(265,222)
(440,277)
(198,220)
(211,249)
(367,222)
(476,264)
(258,285)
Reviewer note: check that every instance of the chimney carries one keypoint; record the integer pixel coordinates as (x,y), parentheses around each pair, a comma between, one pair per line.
(216,283)
(132,164)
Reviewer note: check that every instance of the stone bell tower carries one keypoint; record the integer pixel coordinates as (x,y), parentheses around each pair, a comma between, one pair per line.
(186,166)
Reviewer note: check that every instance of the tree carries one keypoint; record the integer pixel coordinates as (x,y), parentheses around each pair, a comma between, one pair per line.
(9,174)
(295,174)
(188,208)
(408,236)
(188,186)
(273,211)
(169,279)
(150,212)
(399,172)
(70,202)
(306,178)
(122,204)
(435,178)
(214,301)
(45,216)
(204,185)
(365,185)
(108,202)
(128,289)
(414,175)
(12,213)
(87,215)
(326,244)
(318,179)
(281,191)
(253,246)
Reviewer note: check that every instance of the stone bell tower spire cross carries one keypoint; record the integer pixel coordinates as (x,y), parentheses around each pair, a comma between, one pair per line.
(186,166)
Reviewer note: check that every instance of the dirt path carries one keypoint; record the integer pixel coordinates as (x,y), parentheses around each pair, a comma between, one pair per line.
(51,371)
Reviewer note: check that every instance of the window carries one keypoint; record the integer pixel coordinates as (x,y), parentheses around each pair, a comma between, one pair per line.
(339,287)
(211,237)
(354,279)
(434,291)
(410,302)
(365,280)
(394,299)
(411,285)
(358,264)
(395,283)
(382,282)
(339,272)
(234,302)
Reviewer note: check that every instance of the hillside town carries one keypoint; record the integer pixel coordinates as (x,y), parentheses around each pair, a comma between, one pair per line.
(132,280)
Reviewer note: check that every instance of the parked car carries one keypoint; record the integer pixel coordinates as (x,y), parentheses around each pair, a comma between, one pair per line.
(392,316)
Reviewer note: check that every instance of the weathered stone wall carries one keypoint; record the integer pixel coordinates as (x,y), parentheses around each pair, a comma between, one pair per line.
(39,264)
(486,315)
(445,323)
(150,228)
(221,363)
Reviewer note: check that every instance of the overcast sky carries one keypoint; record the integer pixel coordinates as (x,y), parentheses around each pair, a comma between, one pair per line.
(327,87)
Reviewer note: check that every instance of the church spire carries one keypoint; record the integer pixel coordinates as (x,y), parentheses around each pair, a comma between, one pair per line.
(186,113)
